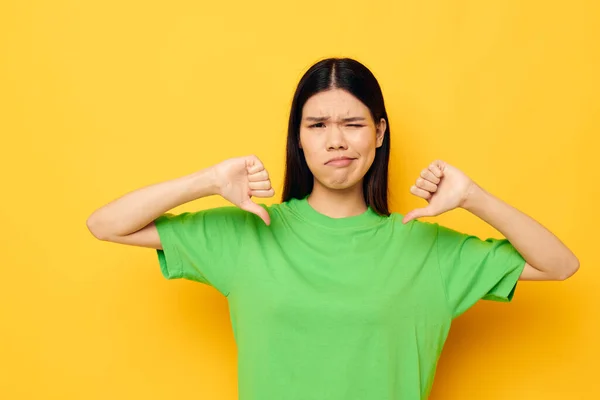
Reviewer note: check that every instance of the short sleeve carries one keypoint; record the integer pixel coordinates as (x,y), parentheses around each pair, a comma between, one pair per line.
(202,246)
(473,269)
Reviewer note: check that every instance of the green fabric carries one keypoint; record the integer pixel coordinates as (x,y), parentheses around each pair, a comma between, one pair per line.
(336,309)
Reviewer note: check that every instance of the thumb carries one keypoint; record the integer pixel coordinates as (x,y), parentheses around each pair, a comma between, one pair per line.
(417,213)
(250,206)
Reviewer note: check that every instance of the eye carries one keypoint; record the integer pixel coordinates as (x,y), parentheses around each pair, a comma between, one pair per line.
(315,125)
(356,125)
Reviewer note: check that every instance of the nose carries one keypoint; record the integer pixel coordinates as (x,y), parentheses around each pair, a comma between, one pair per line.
(335,139)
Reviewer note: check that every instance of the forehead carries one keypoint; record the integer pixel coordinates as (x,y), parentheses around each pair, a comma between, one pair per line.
(334,102)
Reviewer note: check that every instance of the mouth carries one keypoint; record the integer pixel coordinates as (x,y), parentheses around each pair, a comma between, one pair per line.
(340,161)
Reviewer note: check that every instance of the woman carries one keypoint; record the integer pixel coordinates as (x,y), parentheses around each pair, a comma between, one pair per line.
(332,296)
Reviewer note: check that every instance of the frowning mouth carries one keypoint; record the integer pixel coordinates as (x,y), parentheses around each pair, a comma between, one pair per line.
(340,161)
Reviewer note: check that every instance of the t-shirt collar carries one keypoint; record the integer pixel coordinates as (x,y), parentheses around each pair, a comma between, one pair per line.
(369,217)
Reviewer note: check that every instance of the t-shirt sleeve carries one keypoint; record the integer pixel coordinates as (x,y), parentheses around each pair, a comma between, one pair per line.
(474,269)
(202,246)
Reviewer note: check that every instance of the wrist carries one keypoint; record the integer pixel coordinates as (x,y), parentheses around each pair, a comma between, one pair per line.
(474,197)
(203,183)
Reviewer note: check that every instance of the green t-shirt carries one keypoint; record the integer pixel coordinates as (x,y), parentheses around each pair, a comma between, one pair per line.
(336,309)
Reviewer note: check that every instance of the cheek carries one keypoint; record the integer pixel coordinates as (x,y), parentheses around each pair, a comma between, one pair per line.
(314,162)
(365,144)
(367,151)
(309,155)
(309,148)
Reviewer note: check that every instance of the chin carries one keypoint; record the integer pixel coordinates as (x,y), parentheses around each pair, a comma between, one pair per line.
(338,185)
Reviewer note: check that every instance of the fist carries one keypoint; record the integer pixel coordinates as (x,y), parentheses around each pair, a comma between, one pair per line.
(238,179)
(443,186)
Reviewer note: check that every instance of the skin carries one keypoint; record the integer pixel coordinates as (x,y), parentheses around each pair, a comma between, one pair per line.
(337,192)
(445,188)
(325,134)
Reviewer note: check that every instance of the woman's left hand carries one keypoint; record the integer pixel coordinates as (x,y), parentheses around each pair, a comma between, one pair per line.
(443,186)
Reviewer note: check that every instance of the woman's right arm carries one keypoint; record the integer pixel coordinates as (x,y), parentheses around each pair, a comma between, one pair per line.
(130,218)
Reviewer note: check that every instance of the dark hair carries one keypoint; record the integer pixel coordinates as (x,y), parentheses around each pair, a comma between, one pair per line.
(354,77)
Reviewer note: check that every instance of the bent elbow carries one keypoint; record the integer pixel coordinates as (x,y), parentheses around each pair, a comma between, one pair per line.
(93,228)
(571,270)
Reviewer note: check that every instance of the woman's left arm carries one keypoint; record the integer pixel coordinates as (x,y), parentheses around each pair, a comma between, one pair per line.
(547,257)
(446,187)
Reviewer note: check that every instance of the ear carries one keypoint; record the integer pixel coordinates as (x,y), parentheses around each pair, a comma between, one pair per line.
(381,127)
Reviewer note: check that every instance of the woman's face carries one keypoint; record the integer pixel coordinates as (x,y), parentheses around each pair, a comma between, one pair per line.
(339,138)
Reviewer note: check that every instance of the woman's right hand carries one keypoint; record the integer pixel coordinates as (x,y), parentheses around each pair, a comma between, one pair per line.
(238,179)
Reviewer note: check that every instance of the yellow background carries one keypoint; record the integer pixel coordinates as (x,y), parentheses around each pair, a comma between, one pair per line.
(100,98)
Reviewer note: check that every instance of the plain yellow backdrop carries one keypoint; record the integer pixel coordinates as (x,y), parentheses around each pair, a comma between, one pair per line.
(99,98)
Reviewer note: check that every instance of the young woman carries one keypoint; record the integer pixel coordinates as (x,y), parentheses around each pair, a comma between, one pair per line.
(331,296)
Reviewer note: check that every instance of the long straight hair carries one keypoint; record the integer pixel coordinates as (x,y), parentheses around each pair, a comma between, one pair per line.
(355,78)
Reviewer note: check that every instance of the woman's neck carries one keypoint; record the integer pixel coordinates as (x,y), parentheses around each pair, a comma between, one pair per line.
(336,203)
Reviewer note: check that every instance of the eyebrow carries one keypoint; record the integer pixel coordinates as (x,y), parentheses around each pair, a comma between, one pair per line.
(321,119)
